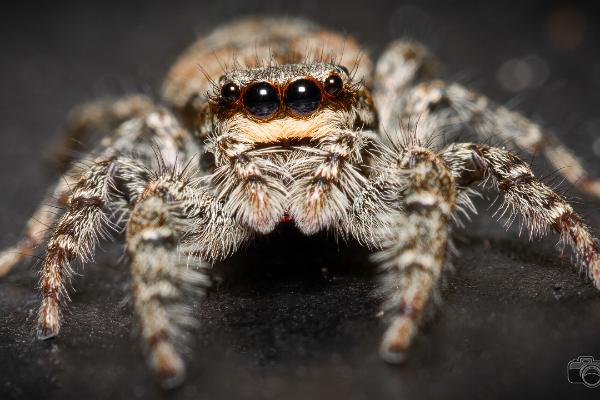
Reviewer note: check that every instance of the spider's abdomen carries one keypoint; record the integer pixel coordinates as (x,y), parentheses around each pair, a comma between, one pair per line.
(259,42)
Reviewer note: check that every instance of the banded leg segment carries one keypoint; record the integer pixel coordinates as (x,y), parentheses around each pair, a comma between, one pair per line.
(95,116)
(403,64)
(526,196)
(414,247)
(37,228)
(442,106)
(75,236)
(79,229)
(165,268)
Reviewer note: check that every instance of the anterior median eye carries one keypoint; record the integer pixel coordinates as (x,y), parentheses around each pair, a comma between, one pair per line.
(261,100)
(303,96)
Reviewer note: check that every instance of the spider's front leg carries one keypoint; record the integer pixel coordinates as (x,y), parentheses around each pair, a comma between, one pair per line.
(541,208)
(95,192)
(172,225)
(137,135)
(414,243)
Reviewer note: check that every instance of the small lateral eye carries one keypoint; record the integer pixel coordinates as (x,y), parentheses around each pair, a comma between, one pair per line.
(230,92)
(333,84)
(261,100)
(303,96)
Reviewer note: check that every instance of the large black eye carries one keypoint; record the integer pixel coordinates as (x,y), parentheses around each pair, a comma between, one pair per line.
(261,100)
(230,92)
(303,96)
(333,84)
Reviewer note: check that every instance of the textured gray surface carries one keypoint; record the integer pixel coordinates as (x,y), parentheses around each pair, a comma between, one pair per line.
(295,317)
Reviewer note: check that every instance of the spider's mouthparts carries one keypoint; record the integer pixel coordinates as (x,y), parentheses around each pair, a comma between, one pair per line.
(286,218)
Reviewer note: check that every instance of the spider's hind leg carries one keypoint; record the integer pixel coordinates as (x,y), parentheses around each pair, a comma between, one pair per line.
(94,117)
(38,225)
(441,106)
(403,64)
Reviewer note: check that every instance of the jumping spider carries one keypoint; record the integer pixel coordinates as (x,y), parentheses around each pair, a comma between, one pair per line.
(271,121)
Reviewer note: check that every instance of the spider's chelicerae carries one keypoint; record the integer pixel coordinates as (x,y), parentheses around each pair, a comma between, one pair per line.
(270,121)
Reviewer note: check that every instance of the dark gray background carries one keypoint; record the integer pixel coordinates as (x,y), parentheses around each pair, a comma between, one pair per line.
(295,317)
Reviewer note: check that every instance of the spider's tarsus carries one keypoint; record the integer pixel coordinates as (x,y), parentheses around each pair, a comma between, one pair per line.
(48,323)
(168,365)
(392,356)
(43,334)
(396,341)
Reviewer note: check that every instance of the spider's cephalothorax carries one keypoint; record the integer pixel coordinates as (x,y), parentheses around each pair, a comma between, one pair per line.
(290,127)
(281,136)
(277,120)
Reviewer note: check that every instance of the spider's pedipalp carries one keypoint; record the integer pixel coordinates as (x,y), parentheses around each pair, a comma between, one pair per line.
(248,183)
(414,243)
(327,181)
(524,195)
